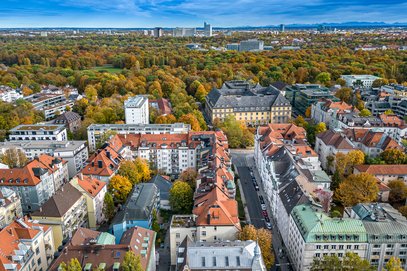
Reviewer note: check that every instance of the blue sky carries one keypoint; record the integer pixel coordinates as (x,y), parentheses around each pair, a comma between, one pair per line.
(171,13)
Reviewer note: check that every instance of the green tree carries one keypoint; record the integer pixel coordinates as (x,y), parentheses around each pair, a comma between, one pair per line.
(389,112)
(365,113)
(14,158)
(128,169)
(350,262)
(403,210)
(398,191)
(357,188)
(320,127)
(324,78)
(236,131)
(344,94)
(120,188)
(143,169)
(154,225)
(394,264)
(108,206)
(73,265)
(131,262)
(393,156)
(181,198)
(189,176)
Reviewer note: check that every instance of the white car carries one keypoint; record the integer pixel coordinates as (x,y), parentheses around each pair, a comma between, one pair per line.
(263,207)
(268,225)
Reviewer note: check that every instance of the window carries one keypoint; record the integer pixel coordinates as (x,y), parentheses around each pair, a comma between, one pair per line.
(203,262)
(348,247)
(318,246)
(203,233)
(356,246)
(37,251)
(317,255)
(177,235)
(214,261)
(39,261)
(340,246)
(237,261)
(326,247)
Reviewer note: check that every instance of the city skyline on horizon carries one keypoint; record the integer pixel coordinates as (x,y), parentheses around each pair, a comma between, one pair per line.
(192,13)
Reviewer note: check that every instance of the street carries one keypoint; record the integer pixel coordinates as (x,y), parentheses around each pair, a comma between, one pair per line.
(243,160)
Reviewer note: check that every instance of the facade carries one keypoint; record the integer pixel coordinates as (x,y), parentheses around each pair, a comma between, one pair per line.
(386,231)
(136,110)
(50,104)
(96,131)
(235,255)
(138,211)
(26,245)
(207,30)
(232,46)
(8,94)
(397,90)
(184,32)
(10,206)
(36,182)
(94,192)
(38,132)
(252,104)
(327,111)
(384,173)
(314,234)
(164,186)
(251,45)
(64,212)
(71,120)
(365,81)
(302,96)
(73,152)
(158,32)
(97,250)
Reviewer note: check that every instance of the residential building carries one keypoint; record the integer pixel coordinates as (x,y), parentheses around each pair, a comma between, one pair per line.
(136,110)
(168,153)
(221,255)
(71,120)
(75,153)
(207,30)
(251,45)
(158,32)
(8,94)
(36,182)
(327,111)
(282,28)
(302,96)
(313,234)
(94,192)
(364,81)
(64,212)
(252,104)
(328,144)
(232,46)
(10,206)
(164,186)
(397,90)
(139,209)
(49,103)
(184,32)
(162,105)
(104,163)
(386,231)
(26,245)
(38,132)
(96,131)
(384,173)
(97,250)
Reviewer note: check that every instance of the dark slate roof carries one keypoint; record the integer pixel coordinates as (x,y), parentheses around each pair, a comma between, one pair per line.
(279,85)
(284,167)
(292,195)
(240,94)
(59,203)
(67,117)
(139,204)
(163,185)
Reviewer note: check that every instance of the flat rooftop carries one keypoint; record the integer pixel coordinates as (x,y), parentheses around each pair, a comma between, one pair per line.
(37,127)
(183,221)
(135,102)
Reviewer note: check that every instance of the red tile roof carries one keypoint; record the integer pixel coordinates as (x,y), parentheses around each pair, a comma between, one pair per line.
(92,186)
(383,169)
(164,106)
(104,162)
(391,120)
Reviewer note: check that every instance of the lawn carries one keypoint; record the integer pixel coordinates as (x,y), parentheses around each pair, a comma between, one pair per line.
(107,68)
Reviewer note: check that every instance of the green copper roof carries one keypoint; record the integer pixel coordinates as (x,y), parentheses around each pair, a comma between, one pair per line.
(106,239)
(317,227)
(230,184)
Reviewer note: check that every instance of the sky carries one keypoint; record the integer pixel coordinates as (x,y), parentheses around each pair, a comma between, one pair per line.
(192,13)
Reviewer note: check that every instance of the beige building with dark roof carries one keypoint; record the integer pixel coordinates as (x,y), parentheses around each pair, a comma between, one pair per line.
(65,212)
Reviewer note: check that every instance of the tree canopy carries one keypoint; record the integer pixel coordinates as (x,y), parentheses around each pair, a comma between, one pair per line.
(357,188)
(350,262)
(181,198)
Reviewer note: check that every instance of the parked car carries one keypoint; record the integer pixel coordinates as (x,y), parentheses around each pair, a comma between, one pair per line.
(268,225)
(256,187)
(261,199)
(267,219)
(263,207)
(265,214)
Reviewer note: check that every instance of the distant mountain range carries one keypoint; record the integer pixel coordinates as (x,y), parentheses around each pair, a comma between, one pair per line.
(343,25)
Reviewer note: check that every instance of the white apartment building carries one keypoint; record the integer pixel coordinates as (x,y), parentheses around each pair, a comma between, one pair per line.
(26,246)
(38,132)
(136,110)
(94,192)
(74,152)
(10,206)
(364,80)
(36,182)
(96,131)
(8,94)
(50,104)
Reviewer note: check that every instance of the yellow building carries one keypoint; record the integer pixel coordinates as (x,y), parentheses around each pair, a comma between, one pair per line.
(64,212)
(253,104)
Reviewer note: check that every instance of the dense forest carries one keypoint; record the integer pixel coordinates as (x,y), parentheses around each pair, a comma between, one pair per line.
(107,68)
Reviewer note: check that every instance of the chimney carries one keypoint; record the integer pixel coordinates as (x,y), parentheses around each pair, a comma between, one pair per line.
(80,176)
